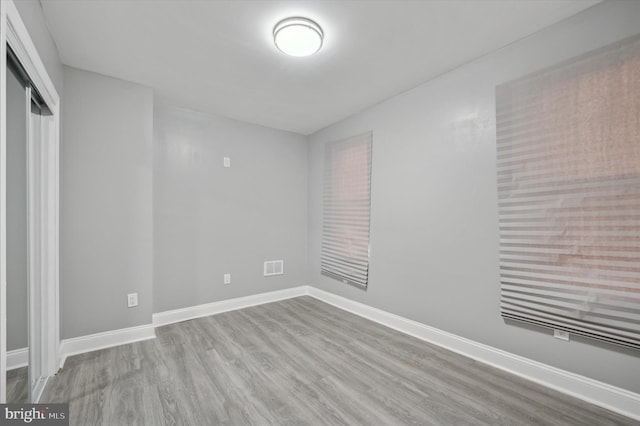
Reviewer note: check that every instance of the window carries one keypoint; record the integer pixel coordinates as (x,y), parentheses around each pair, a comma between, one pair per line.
(568,149)
(346,206)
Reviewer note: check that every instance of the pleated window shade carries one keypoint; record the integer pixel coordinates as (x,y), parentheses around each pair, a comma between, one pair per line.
(568,154)
(346,206)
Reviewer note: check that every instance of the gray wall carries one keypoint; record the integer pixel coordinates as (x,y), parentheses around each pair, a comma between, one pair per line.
(33,18)
(210,220)
(434,239)
(17,284)
(105,204)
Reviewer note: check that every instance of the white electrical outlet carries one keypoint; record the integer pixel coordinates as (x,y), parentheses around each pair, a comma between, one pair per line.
(561,334)
(227,279)
(132,300)
(227,161)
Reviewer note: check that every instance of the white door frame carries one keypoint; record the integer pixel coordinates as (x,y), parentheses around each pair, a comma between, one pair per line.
(14,34)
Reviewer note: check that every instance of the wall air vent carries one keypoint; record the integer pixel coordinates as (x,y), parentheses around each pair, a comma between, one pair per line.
(273,267)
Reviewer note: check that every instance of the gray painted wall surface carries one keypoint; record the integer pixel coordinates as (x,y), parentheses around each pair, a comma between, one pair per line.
(17,284)
(210,220)
(434,238)
(105,204)
(33,18)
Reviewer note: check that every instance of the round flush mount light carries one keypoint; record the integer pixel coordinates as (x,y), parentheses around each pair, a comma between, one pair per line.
(298,36)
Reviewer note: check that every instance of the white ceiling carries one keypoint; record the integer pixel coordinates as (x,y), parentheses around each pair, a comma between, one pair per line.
(219,57)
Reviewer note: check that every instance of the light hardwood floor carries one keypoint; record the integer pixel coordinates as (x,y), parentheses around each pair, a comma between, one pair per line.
(301,361)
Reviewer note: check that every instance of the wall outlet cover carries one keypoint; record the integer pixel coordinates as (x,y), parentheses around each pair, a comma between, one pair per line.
(561,334)
(227,279)
(132,300)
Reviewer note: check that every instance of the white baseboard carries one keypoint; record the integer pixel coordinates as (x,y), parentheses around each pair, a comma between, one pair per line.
(598,393)
(17,358)
(184,314)
(610,397)
(107,339)
(94,342)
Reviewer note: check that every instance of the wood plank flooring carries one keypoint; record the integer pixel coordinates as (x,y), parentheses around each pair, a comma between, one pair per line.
(17,390)
(302,362)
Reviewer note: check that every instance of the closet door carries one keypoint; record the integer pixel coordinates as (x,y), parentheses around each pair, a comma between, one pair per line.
(17,221)
(24,224)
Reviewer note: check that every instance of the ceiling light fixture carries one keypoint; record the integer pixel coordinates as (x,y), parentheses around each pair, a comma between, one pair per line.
(298,36)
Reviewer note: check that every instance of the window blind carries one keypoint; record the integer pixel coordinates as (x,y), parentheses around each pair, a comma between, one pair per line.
(346,206)
(568,156)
